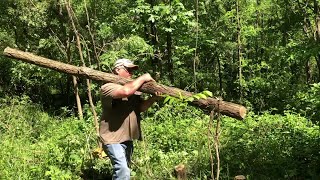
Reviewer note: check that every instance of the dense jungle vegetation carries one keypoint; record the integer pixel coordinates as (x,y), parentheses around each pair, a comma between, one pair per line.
(263,54)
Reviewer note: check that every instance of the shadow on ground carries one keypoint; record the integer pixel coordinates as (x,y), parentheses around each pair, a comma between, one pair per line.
(93,174)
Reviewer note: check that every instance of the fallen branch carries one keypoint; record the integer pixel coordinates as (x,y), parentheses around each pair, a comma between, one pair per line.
(226,108)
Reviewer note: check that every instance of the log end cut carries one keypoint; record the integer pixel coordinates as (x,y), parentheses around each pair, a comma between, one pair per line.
(242,112)
(232,110)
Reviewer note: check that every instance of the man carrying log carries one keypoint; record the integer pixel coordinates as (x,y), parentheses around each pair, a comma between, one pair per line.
(120,120)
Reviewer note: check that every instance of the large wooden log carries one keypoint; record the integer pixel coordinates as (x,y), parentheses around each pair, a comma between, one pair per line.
(226,108)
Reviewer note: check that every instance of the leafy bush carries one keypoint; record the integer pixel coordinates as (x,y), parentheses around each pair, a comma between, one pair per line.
(35,145)
(308,102)
(172,137)
(271,147)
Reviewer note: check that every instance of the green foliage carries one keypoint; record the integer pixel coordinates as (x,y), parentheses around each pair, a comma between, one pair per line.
(276,44)
(170,138)
(39,146)
(104,31)
(271,147)
(133,47)
(183,41)
(183,100)
(309,102)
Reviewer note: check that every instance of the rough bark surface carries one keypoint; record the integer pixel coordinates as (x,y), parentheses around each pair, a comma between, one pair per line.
(226,108)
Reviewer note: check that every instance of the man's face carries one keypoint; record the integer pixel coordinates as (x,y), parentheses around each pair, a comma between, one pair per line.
(125,72)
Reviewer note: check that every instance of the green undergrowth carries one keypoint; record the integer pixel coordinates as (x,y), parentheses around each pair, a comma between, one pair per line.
(35,145)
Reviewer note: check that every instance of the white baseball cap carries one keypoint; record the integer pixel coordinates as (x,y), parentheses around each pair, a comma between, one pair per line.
(126,63)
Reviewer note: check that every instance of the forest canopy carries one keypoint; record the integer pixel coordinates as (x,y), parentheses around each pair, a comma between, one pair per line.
(262,54)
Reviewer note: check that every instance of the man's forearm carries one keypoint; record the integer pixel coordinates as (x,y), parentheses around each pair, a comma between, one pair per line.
(131,87)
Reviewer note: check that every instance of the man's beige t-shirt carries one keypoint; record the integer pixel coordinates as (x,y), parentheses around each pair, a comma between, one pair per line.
(120,120)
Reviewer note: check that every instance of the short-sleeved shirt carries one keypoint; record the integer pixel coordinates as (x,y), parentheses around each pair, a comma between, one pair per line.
(120,120)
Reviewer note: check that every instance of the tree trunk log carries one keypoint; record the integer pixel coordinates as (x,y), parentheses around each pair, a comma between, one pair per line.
(226,108)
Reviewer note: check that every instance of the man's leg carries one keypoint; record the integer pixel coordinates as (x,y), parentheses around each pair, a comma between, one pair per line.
(120,156)
(128,146)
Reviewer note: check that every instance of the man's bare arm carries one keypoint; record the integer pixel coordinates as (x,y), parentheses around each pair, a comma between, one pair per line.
(131,87)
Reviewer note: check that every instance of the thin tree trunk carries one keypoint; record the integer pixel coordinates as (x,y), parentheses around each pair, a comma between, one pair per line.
(169,57)
(96,122)
(169,50)
(196,58)
(317,19)
(308,72)
(84,65)
(69,80)
(306,27)
(258,47)
(217,143)
(75,84)
(220,74)
(239,50)
(226,108)
(317,33)
(76,92)
(318,64)
(96,55)
(210,135)
(156,61)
